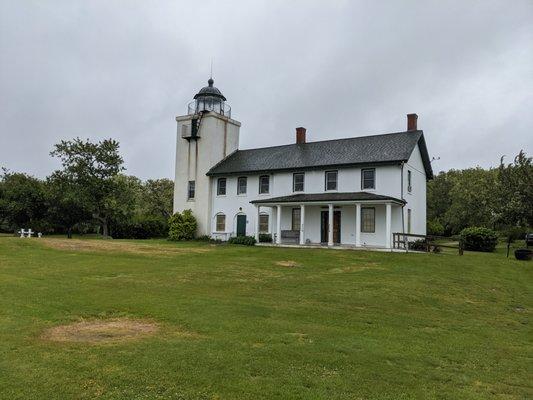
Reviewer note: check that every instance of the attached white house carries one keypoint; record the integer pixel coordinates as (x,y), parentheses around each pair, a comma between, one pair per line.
(356,191)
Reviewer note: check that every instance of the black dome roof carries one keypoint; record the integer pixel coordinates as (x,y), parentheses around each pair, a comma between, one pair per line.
(209,91)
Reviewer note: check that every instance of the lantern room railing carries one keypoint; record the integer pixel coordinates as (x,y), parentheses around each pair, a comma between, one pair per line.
(195,107)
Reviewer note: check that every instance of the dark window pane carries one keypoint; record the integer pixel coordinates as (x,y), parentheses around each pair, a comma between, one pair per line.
(331,180)
(242,183)
(221,186)
(264,183)
(298,182)
(191,190)
(368,178)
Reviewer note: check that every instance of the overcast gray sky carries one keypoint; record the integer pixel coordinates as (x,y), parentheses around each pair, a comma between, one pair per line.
(125,69)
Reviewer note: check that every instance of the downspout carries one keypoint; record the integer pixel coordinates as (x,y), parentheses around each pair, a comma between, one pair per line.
(403,205)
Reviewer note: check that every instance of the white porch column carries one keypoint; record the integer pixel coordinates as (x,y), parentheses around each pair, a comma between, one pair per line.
(330,224)
(358,225)
(388,220)
(257,212)
(278,225)
(302,218)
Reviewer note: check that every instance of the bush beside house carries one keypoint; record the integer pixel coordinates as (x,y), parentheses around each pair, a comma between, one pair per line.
(182,226)
(244,240)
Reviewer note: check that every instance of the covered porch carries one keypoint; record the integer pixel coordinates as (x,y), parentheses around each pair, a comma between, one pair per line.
(358,219)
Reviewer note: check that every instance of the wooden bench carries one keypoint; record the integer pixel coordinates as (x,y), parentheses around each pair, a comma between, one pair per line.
(290,237)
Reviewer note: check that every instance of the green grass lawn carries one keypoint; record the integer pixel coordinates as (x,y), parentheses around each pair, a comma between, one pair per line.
(338,325)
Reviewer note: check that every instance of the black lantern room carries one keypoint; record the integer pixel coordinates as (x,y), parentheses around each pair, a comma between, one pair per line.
(209,98)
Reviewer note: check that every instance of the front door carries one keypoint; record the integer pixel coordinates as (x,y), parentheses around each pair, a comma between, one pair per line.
(324,226)
(241,225)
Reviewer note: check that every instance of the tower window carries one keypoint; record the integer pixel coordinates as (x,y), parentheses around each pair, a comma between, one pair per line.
(409,182)
(331,180)
(264,184)
(191,190)
(368,178)
(298,182)
(242,183)
(221,187)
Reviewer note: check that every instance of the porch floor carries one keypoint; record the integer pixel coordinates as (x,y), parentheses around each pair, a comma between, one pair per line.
(335,247)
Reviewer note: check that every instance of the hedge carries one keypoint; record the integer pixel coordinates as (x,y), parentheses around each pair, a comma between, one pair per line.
(479,239)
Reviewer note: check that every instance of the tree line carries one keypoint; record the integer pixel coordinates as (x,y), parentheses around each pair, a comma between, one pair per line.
(90,193)
(497,198)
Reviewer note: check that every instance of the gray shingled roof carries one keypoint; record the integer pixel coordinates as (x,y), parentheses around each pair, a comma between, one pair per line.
(335,196)
(390,148)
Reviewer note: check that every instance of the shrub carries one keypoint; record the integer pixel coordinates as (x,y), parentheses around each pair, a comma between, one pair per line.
(418,245)
(479,239)
(434,227)
(143,227)
(244,240)
(207,238)
(265,238)
(182,226)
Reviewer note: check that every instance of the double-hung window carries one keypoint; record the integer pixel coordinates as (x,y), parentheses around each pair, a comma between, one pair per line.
(221,187)
(298,182)
(368,219)
(368,178)
(242,183)
(263,223)
(191,190)
(264,184)
(331,180)
(296,216)
(221,223)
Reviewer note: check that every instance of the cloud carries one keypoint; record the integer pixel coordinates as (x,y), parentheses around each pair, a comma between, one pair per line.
(125,69)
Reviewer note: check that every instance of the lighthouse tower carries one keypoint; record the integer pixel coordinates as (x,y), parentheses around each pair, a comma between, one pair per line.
(205,136)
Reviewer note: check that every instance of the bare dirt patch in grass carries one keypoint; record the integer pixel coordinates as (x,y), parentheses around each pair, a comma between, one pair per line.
(101,331)
(287,263)
(124,247)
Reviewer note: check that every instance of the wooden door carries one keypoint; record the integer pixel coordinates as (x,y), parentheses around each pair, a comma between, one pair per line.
(324,226)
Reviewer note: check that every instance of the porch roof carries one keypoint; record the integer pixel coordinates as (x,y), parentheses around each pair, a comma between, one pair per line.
(329,197)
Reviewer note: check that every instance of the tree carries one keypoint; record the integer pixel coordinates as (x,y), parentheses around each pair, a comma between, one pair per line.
(92,168)
(66,204)
(22,201)
(157,196)
(515,192)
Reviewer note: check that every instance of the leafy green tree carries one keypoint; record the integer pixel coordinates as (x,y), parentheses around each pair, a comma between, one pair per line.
(93,168)
(66,204)
(514,190)
(156,198)
(22,201)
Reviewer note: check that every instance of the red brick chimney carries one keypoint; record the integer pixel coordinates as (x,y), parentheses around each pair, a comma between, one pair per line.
(300,135)
(411,122)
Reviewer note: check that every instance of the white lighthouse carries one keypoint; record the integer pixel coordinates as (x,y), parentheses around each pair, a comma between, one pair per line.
(205,136)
